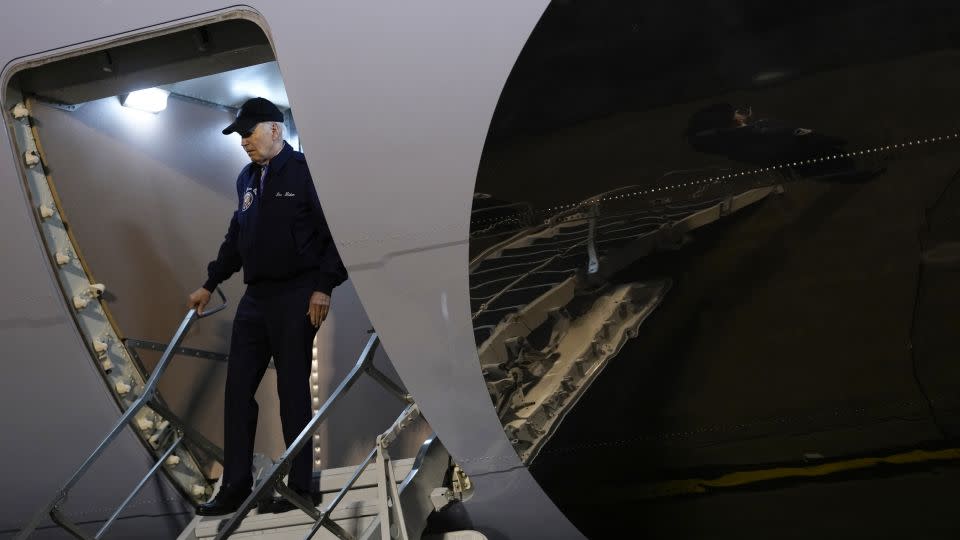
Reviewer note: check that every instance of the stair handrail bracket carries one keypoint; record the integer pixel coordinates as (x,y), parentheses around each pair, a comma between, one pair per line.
(54,507)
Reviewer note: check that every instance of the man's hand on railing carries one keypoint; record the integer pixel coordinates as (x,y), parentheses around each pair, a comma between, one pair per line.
(198,299)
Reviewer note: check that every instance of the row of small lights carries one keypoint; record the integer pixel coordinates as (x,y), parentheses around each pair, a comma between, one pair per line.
(731,176)
(315,398)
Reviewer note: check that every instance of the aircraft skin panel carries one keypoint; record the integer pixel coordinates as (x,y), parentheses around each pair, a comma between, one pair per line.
(393,102)
(404,149)
(55,411)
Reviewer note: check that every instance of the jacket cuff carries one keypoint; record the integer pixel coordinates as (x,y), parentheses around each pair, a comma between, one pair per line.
(323,282)
(210,285)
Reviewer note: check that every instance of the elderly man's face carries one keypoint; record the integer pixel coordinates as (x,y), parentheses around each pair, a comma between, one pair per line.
(260,143)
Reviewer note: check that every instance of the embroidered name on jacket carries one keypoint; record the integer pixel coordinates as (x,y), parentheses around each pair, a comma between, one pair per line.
(287,194)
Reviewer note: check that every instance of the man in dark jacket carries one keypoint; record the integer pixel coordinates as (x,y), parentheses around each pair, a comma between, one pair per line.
(278,235)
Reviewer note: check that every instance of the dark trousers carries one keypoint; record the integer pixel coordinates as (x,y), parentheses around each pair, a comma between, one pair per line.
(270,322)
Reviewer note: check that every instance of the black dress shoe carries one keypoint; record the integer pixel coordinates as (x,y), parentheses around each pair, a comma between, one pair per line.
(279,505)
(226,501)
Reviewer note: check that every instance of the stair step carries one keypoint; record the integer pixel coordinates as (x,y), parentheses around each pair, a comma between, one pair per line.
(355,512)
(290,525)
(334,479)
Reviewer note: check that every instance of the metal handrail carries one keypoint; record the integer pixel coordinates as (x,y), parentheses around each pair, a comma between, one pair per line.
(143,482)
(190,434)
(53,507)
(328,511)
(272,481)
(144,344)
(379,450)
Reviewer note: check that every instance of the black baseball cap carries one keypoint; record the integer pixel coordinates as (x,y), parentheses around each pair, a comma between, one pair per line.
(253,112)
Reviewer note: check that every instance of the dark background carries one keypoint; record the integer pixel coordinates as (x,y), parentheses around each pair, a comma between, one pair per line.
(820,322)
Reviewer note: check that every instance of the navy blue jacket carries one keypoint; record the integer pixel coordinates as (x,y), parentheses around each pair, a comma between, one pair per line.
(279,235)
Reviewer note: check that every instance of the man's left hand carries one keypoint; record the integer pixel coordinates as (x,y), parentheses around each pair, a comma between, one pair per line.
(319,307)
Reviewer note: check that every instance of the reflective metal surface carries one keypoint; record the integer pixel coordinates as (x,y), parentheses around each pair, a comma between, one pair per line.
(779,180)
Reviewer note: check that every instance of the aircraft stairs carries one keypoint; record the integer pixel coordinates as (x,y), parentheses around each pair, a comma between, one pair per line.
(356,501)
(357,511)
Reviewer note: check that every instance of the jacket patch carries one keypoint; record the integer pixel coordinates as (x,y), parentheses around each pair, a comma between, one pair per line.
(247,200)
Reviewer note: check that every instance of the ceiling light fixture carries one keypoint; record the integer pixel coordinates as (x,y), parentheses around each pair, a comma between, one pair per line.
(150,99)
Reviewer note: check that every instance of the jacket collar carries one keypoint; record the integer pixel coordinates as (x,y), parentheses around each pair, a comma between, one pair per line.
(276,163)
(280,159)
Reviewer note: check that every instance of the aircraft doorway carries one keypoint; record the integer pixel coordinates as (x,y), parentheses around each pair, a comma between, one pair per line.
(133,185)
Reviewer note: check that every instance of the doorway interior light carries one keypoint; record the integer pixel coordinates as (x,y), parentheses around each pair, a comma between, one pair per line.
(150,99)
